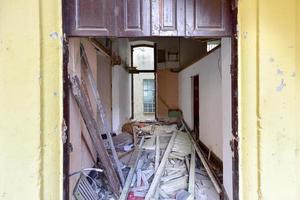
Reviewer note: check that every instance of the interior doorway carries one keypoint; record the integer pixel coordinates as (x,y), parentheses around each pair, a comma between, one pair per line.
(143,81)
(195,82)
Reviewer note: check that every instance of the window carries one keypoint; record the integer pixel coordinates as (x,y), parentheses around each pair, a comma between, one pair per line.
(212,44)
(143,58)
(149,90)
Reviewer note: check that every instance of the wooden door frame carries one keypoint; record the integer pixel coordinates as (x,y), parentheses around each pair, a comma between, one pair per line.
(144,71)
(234,101)
(193,105)
(234,98)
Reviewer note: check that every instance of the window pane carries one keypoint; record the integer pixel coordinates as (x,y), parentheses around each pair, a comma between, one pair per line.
(149,101)
(143,58)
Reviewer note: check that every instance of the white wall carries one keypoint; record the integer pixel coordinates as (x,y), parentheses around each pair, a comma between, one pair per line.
(121,97)
(210,100)
(226,121)
(214,104)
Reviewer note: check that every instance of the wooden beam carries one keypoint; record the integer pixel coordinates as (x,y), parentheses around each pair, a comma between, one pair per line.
(160,168)
(94,131)
(101,114)
(192,174)
(203,161)
(157,152)
(100,47)
(131,172)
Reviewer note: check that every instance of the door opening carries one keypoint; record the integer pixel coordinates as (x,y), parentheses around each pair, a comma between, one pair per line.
(143,82)
(196,105)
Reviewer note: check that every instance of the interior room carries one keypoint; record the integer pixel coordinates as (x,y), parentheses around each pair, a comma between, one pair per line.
(135,88)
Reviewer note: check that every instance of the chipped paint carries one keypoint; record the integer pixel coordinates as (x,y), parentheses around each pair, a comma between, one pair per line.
(280,87)
(279,72)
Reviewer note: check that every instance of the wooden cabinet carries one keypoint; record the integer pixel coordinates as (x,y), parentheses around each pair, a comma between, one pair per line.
(89,17)
(208,18)
(133,18)
(168,17)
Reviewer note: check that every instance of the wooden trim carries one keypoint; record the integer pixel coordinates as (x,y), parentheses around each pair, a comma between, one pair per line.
(213,157)
(66,113)
(234,100)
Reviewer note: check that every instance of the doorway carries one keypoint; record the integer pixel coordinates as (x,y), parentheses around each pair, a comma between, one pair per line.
(195,82)
(143,82)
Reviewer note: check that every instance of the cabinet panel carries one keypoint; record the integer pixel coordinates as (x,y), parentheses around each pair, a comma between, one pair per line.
(208,18)
(133,17)
(89,17)
(168,18)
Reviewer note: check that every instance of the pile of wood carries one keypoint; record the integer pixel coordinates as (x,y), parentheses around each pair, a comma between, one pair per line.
(165,167)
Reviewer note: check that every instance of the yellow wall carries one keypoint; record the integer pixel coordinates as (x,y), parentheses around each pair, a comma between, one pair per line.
(269,99)
(31,100)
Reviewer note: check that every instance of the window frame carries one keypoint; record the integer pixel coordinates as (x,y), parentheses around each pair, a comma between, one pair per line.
(153,105)
(144,71)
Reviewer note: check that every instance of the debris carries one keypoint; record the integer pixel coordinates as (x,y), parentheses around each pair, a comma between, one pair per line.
(128,147)
(160,168)
(122,140)
(203,161)
(192,174)
(131,173)
(164,167)
(184,195)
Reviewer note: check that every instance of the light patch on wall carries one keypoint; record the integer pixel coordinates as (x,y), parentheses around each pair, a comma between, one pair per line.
(280,87)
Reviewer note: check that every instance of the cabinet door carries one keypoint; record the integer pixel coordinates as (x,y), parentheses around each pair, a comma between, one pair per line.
(168,18)
(89,17)
(208,18)
(133,18)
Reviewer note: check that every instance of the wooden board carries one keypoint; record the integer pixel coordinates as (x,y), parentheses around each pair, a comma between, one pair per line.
(94,131)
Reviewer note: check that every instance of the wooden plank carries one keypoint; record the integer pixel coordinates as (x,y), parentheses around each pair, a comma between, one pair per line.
(160,168)
(134,131)
(157,151)
(203,161)
(93,129)
(131,172)
(101,115)
(191,188)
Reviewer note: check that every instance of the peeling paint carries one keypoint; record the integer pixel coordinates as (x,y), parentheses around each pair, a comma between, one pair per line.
(54,35)
(280,87)
(293,74)
(279,72)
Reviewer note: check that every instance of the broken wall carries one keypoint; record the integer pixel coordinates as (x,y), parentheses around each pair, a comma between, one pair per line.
(210,99)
